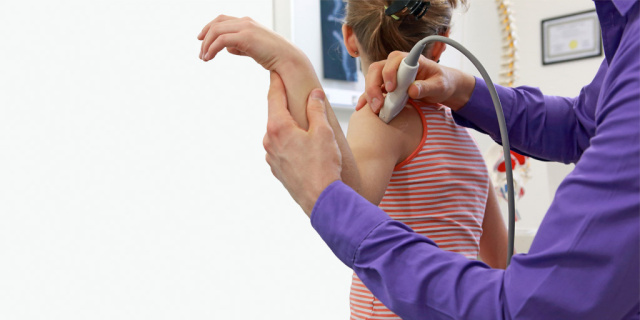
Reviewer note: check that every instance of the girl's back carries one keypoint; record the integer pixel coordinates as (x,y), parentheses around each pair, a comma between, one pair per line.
(421,168)
(440,190)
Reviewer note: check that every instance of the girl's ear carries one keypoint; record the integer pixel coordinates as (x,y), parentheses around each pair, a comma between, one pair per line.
(438,48)
(350,41)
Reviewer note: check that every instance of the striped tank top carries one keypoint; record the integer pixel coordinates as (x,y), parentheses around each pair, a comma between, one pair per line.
(440,191)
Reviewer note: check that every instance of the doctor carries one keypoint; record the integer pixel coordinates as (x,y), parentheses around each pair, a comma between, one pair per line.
(584,261)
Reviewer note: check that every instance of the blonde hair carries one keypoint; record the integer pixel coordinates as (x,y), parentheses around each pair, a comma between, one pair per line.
(380,34)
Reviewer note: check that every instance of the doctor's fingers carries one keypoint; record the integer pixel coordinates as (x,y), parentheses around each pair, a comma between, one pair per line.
(277,106)
(390,69)
(373,86)
(273,167)
(317,115)
(382,76)
(280,123)
(269,157)
(362,101)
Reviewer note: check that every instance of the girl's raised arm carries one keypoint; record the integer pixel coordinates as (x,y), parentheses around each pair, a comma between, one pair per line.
(243,36)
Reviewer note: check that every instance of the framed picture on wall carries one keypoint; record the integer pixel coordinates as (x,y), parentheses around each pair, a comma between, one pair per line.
(337,63)
(571,37)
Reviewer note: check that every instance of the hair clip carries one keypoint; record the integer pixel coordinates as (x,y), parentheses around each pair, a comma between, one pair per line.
(391,15)
(418,8)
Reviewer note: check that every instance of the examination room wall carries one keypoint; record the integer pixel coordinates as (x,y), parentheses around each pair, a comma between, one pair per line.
(563,79)
(478,29)
(132,176)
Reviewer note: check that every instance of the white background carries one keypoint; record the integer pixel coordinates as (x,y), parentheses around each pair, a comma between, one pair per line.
(132,175)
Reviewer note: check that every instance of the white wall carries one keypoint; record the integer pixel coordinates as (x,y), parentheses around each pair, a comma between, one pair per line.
(132,175)
(479,31)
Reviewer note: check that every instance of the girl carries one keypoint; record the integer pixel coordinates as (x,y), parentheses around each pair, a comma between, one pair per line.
(420,168)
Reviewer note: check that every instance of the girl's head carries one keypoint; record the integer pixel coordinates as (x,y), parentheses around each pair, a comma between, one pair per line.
(371,34)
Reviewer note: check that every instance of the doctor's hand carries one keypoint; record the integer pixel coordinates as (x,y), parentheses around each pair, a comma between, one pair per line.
(305,161)
(434,83)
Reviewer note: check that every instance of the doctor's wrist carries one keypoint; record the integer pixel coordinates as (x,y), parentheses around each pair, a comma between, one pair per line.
(317,198)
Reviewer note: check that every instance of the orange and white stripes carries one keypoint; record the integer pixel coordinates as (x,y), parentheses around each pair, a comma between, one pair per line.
(440,191)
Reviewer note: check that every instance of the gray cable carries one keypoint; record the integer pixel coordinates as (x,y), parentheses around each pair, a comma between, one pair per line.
(412,60)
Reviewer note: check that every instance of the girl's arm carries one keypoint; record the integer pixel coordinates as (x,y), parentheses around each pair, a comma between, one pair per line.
(378,147)
(243,36)
(493,243)
(300,79)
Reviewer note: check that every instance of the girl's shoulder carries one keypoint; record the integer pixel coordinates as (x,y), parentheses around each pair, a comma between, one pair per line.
(402,135)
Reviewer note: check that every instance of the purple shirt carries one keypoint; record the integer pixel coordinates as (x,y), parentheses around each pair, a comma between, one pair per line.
(584,260)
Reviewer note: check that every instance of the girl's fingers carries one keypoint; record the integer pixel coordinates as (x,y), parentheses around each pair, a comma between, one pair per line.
(219,18)
(204,31)
(235,41)
(236,52)
(218,29)
(201,36)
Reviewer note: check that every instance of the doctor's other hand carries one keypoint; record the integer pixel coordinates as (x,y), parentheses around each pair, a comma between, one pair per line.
(245,37)
(305,161)
(434,83)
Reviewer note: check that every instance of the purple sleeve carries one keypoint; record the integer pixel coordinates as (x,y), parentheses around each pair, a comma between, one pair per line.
(584,262)
(404,270)
(535,121)
(585,259)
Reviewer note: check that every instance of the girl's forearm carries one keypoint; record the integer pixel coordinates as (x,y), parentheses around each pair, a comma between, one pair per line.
(300,79)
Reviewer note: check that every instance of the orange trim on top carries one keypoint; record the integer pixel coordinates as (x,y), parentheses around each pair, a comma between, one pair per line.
(422,141)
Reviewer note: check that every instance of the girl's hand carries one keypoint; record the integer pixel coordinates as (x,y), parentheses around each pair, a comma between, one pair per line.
(434,83)
(243,36)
